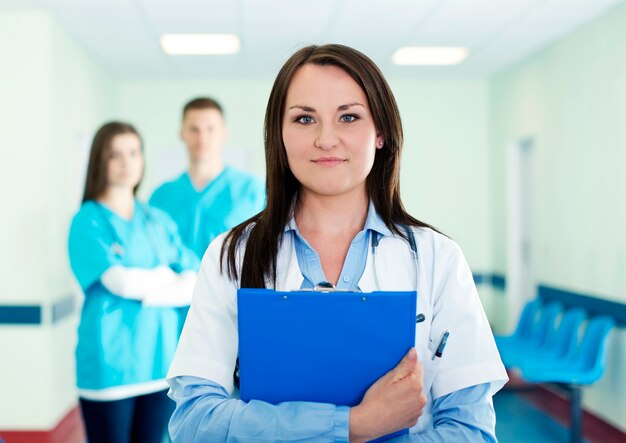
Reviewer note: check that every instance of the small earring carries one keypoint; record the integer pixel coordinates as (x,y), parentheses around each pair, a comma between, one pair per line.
(380,144)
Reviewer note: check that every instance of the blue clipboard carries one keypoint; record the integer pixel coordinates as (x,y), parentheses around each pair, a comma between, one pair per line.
(328,346)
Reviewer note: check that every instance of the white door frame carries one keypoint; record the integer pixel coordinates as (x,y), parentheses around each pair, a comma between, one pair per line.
(520,285)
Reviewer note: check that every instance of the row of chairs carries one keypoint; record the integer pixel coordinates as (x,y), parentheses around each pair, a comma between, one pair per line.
(550,345)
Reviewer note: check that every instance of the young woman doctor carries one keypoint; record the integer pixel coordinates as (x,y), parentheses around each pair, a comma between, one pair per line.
(333,138)
(136,276)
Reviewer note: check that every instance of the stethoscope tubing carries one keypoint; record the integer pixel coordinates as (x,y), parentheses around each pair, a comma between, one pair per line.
(149,224)
(411,242)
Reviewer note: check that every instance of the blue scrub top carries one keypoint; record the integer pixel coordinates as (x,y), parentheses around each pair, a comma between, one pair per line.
(229,199)
(121,342)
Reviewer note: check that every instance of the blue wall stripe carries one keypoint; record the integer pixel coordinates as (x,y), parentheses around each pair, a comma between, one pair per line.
(480,279)
(63,308)
(32,314)
(593,305)
(20,315)
(496,280)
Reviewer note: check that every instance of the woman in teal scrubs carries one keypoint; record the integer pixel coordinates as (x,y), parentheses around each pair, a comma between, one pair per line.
(137,278)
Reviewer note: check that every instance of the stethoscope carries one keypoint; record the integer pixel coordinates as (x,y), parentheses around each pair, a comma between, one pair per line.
(375,238)
(410,239)
(117,247)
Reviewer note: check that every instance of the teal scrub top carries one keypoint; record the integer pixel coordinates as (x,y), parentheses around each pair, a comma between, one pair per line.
(229,199)
(121,342)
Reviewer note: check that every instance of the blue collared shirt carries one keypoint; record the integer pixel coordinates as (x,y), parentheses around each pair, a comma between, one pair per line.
(354,264)
(205,411)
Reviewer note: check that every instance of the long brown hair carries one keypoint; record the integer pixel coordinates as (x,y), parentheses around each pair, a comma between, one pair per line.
(263,232)
(96,180)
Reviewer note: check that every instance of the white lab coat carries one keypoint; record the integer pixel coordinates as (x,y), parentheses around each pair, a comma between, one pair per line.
(447,297)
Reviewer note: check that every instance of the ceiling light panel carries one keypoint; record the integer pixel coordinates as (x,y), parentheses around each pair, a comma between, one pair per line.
(423,55)
(200,44)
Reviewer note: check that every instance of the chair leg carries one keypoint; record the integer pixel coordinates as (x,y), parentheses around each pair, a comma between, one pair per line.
(576,414)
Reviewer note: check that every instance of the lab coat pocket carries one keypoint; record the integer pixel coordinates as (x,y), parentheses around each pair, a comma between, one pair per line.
(430,366)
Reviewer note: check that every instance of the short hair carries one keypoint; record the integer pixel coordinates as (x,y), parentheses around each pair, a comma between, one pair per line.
(202,103)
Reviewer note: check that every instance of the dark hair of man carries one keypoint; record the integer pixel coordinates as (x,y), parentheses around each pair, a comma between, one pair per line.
(262,233)
(97,169)
(202,103)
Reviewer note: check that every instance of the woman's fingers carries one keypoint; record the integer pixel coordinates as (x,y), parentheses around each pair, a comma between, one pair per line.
(406,367)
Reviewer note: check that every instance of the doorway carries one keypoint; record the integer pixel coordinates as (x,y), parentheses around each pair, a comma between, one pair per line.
(520,285)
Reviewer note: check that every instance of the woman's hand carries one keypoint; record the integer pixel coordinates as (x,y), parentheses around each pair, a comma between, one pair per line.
(394,402)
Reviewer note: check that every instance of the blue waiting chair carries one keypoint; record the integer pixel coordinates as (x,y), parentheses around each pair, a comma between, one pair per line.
(561,342)
(524,325)
(536,337)
(582,367)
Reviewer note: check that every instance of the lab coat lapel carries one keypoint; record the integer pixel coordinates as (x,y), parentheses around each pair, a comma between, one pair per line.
(367,282)
(394,267)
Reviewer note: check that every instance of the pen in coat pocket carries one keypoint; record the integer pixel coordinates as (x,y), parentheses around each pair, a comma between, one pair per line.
(442,344)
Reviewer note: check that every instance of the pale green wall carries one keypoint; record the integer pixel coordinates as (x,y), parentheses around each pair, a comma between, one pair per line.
(444,166)
(571,98)
(53,95)
(24,133)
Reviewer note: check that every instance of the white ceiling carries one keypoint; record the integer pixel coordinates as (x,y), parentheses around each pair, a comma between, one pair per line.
(124,34)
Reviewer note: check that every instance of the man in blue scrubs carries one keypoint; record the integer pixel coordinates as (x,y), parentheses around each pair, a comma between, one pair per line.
(210,197)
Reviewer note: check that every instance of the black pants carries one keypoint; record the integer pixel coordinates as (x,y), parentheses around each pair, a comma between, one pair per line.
(141,419)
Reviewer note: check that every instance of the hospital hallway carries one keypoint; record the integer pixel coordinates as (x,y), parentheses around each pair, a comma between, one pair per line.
(491,130)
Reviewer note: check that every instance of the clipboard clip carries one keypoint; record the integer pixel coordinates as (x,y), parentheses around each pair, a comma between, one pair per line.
(324,286)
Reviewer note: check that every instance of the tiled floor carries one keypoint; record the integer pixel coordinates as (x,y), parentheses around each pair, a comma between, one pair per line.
(519,421)
(541,414)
